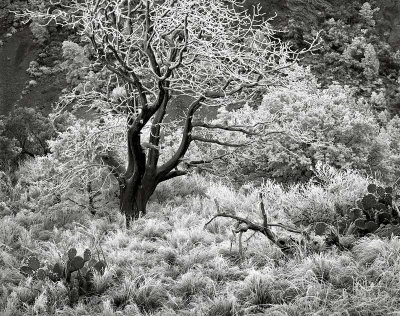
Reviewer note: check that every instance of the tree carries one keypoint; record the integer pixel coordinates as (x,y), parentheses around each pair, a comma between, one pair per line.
(213,52)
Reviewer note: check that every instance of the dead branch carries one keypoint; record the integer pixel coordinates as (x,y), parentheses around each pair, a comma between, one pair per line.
(244,224)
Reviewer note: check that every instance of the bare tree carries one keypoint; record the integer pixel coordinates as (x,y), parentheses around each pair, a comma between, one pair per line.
(212,51)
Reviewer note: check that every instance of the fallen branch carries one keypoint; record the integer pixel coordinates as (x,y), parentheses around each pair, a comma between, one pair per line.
(244,224)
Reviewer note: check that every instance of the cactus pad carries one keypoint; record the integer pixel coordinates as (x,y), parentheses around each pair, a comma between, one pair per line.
(381,207)
(387,199)
(371,226)
(41,274)
(72,253)
(320,228)
(100,266)
(359,223)
(389,190)
(33,263)
(369,201)
(380,191)
(371,188)
(26,270)
(87,255)
(355,213)
(58,270)
(76,263)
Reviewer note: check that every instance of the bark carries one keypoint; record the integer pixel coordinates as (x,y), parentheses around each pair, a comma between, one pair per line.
(134,198)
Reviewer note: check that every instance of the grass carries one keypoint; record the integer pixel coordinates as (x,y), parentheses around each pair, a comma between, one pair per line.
(167,263)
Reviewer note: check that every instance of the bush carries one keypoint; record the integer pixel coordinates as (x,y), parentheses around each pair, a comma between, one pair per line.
(39,31)
(317,125)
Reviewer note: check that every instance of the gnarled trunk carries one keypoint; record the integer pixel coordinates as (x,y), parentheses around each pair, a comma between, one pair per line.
(134,197)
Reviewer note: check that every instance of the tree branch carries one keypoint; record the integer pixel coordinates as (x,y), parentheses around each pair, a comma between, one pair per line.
(173,174)
(116,168)
(224,127)
(215,141)
(185,142)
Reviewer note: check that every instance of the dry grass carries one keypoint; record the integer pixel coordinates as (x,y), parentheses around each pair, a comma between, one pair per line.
(168,264)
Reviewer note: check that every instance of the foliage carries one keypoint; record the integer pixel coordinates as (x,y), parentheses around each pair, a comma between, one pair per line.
(331,125)
(25,132)
(39,31)
(75,63)
(73,170)
(145,55)
(353,52)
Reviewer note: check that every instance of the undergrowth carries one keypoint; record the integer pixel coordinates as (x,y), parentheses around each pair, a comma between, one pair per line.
(168,263)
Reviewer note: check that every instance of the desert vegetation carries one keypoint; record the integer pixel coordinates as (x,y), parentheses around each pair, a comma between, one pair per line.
(203,158)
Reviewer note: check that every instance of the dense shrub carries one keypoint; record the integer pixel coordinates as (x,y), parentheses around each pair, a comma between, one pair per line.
(25,132)
(327,125)
(39,31)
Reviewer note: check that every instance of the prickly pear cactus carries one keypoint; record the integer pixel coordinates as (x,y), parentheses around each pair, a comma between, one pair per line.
(77,272)
(376,208)
(320,228)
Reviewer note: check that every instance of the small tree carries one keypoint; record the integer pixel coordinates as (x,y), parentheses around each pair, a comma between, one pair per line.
(211,51)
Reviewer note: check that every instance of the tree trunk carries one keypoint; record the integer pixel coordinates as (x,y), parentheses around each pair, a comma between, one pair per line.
(134,198)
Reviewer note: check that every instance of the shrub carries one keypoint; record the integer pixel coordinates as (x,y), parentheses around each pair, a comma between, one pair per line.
(76,63)
(39,31)
(318,125)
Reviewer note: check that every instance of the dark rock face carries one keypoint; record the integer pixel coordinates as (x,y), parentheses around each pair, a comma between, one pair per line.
(388,21)
(309,11)
(15,56)
(6,18)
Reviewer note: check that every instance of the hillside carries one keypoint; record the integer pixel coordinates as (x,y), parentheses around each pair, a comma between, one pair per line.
(194,161)
(296,17)
(169,263)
